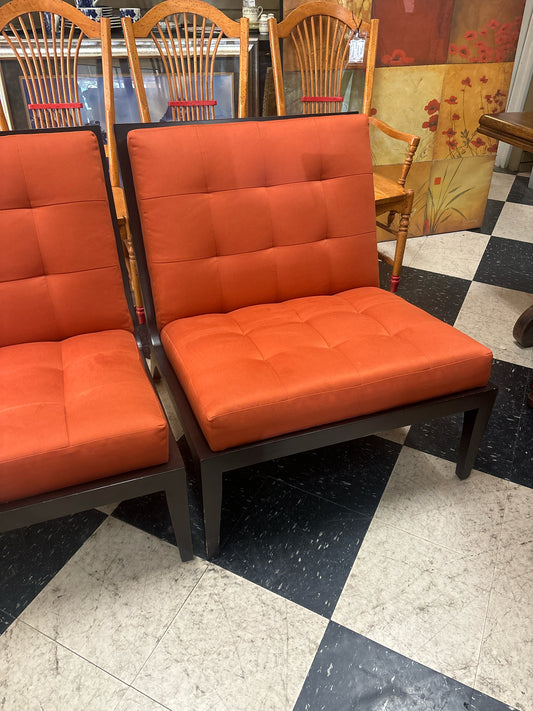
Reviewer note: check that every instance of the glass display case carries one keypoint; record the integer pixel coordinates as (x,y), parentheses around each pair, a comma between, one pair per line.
(15,95)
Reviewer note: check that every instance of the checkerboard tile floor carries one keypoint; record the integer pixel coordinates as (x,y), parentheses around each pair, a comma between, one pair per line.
(361,576)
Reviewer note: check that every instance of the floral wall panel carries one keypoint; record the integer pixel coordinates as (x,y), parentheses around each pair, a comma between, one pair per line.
(469,92)
(412,31)
(418,180)
(400,98)
(457,194)
(485,31)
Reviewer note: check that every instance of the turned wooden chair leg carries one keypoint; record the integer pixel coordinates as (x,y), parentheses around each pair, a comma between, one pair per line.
(401,240)
(399,252)
(133,274)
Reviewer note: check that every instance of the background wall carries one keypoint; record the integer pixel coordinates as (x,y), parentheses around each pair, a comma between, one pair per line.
(440,65)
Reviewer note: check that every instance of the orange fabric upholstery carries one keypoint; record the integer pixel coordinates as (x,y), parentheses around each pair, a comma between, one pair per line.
(241,225)
(264,274)
(59,272)
(74,411)
(266,370)
(75,402)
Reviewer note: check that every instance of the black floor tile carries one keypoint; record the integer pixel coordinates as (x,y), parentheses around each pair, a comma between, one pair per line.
(351,474)
(31,556)
(300,546)
(522,472)
(440,295)
(352,672)
(507,263)
(5,621)
(505,449)
(519,191)
(490,218)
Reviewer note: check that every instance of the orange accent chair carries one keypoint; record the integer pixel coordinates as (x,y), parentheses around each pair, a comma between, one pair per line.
(49,62)
(267,321)
(318,36)
(80,423)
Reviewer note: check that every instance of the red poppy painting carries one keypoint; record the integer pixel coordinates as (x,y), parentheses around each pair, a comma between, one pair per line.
(486,32)
(412,33)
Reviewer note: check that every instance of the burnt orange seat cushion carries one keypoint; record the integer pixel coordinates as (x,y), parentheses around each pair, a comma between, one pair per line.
(261,247)
(269,369)
(74,411)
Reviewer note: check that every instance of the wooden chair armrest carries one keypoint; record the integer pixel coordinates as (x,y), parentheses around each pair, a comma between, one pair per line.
(409,138)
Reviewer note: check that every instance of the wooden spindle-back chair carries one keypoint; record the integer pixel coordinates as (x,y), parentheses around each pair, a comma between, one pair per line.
(187,36)
(319,35)
(46,38)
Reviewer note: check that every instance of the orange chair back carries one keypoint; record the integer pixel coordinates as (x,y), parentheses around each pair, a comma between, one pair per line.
(59,272)
(242,224)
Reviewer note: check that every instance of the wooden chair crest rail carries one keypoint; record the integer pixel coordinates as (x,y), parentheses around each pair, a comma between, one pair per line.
(46,37)
(319,34)
(80,422)
(187,35)
(258,264)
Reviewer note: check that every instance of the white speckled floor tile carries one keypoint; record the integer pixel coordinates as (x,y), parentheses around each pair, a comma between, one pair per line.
(514,565)
(500,185)
(515,222)
(425,498)
(412,246)
(456,254)
(506,661)
(398,435)
(419,599)
(135,701)
(489,313)
(108,508)
(233,646)
(39,675)
(112,602)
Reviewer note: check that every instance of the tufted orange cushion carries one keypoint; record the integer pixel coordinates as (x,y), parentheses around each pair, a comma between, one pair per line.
(59,271)
(74,411)
(255,212)
(269,369)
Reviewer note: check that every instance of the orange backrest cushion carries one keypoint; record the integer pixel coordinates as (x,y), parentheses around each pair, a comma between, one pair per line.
(235,214)
(59,269)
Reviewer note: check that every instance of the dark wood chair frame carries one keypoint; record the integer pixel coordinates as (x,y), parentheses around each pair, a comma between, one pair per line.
(476,404)
(169,477)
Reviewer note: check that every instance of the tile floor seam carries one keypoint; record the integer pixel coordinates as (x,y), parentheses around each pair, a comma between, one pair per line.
(323,498)
(461,553)
(489,596)
(208,565)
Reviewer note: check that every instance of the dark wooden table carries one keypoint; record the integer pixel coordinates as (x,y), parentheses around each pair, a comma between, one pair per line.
(515,128)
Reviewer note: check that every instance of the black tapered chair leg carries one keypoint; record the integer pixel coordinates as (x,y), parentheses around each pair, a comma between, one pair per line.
(212,502)
(474,425)
(177,501)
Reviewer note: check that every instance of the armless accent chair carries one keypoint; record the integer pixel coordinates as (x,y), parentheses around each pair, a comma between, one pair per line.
(46,37)
(187,36)
(267,320)
(318,37)
(80,423)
